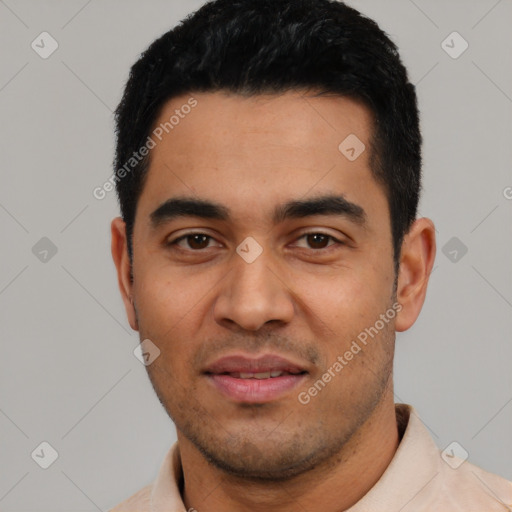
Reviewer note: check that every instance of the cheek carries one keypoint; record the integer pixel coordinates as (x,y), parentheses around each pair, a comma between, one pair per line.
(163,318)
(158,300)
(163,291)
(345,299)
(173,306)
(162,305)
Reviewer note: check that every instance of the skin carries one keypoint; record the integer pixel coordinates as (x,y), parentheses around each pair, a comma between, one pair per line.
(302,299)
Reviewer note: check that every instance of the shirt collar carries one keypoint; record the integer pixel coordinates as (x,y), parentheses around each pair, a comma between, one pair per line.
(414,465)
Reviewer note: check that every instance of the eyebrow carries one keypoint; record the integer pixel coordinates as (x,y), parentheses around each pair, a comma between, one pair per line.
(335,205)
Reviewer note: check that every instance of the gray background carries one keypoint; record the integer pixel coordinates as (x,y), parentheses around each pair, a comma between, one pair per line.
(68,375)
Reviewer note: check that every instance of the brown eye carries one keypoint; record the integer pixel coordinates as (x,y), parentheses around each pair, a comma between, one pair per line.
(198,241)
(319,241)
(195,241)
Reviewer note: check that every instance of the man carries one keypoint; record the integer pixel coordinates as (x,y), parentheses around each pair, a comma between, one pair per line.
(268,171)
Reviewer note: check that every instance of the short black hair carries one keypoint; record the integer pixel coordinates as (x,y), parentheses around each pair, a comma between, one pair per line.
(251,47)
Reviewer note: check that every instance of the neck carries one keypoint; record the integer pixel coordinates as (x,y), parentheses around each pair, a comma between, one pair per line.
(333,487)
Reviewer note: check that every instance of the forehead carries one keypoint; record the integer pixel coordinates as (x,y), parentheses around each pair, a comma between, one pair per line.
(251,152)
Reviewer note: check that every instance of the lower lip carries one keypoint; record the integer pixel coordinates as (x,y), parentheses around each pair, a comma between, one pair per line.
(255,390)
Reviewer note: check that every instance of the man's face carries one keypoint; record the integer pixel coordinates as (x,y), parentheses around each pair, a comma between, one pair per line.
(216,313)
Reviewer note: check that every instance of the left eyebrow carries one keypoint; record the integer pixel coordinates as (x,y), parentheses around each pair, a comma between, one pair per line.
(323,205)
(335,205)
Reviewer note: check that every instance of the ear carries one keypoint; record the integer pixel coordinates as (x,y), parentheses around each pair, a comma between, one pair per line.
(416,261)
(122,261)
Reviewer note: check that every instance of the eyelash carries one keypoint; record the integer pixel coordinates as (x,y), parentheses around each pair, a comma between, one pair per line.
(187,235)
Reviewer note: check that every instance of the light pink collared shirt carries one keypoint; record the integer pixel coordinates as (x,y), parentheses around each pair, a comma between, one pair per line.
(418,479)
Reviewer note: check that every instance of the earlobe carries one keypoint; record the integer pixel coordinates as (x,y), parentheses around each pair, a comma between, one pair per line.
(119,247)
(416,261)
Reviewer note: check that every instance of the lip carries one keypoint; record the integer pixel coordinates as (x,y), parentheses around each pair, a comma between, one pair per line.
(246,364)
(254,390)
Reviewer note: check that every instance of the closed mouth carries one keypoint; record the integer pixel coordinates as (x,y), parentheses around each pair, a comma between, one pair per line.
(272,374)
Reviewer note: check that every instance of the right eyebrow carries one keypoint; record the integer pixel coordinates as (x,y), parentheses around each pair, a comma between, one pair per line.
(188,207)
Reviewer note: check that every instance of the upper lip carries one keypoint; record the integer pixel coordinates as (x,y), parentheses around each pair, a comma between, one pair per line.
(248,364)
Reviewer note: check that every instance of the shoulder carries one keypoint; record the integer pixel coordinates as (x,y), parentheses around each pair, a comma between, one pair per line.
(430,479)
(470,488)
(139,502)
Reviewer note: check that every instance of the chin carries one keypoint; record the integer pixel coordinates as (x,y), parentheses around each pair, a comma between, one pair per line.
(264,460)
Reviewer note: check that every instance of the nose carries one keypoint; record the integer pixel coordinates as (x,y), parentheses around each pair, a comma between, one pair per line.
(254,294)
